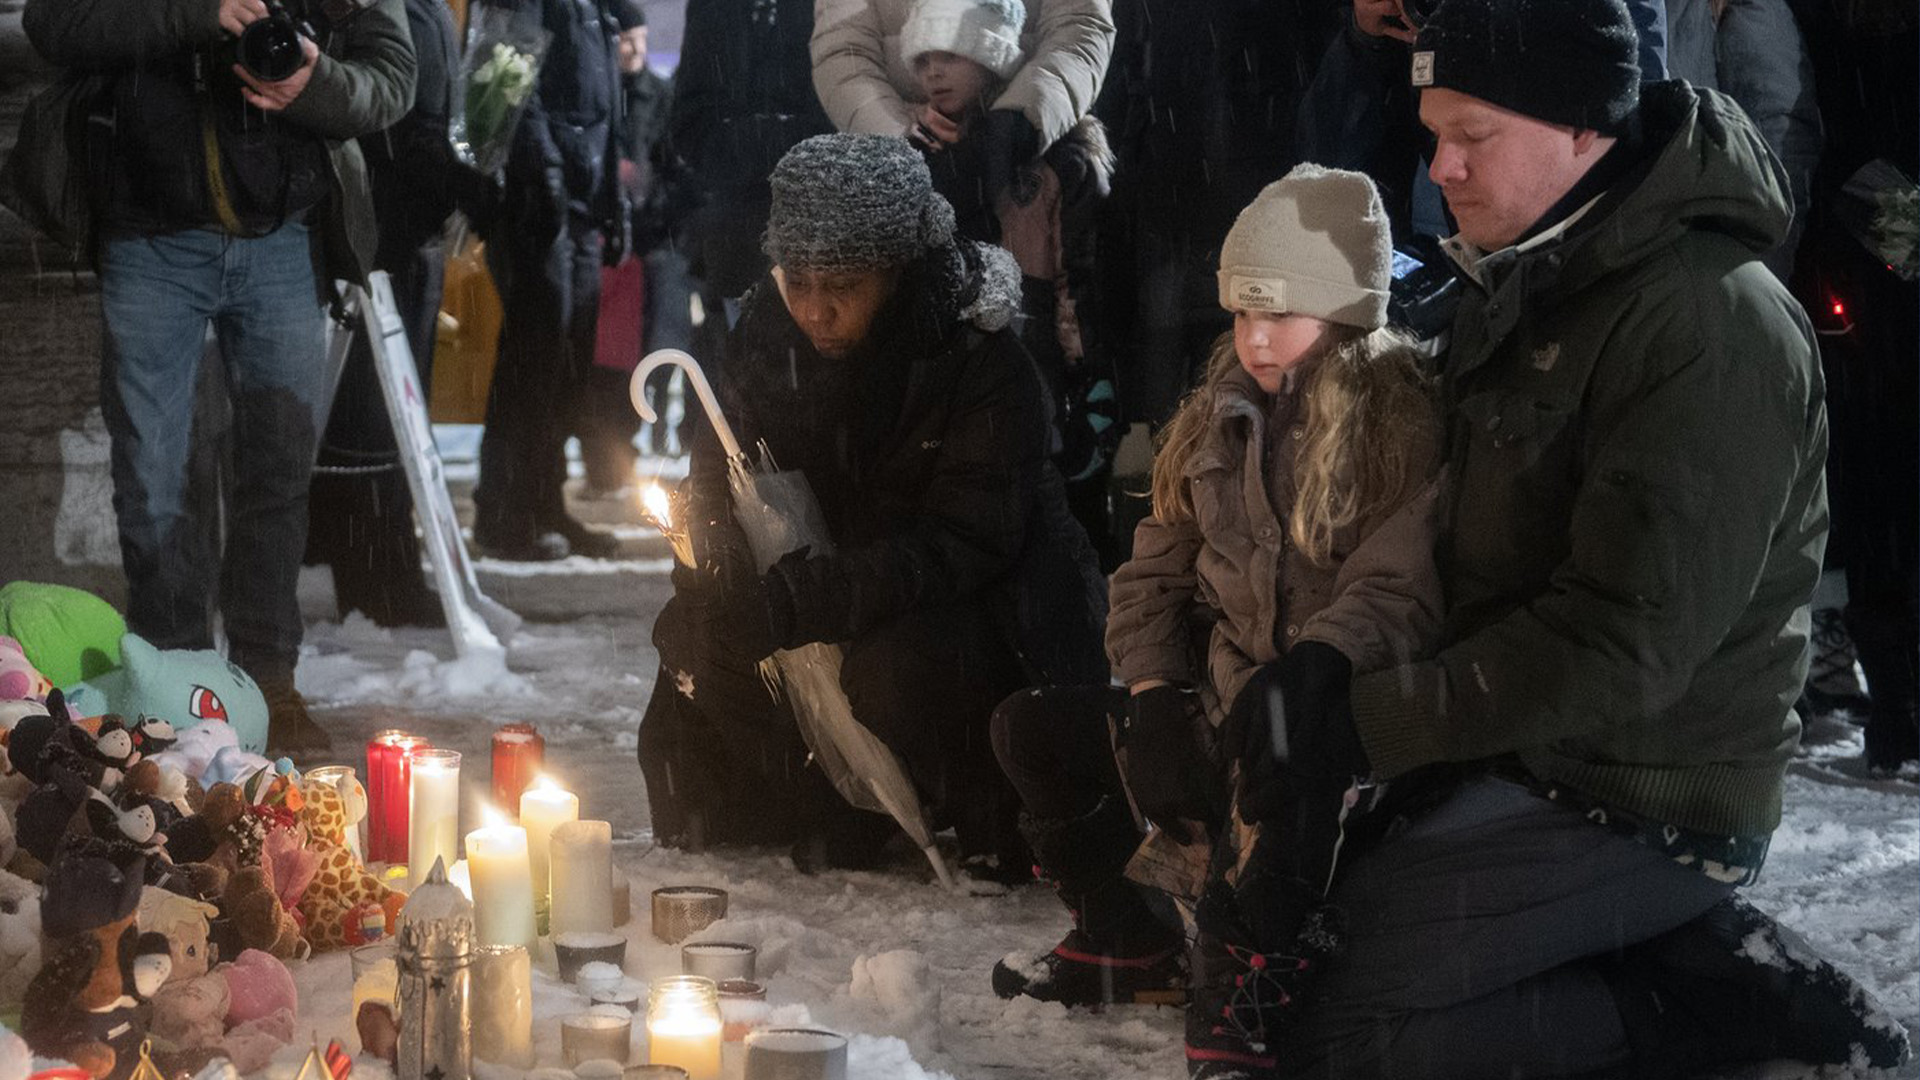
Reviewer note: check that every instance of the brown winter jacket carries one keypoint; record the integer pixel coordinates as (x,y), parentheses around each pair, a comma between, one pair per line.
(1208,600)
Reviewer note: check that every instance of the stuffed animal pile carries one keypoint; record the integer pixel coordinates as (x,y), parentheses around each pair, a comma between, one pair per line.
(156,872)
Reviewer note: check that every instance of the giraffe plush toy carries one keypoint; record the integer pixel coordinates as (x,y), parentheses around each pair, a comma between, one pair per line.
(345,905)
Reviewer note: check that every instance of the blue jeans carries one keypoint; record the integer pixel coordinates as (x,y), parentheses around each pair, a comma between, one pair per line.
(158,295)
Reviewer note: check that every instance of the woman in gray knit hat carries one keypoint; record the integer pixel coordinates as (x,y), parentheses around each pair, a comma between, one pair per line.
(876,359)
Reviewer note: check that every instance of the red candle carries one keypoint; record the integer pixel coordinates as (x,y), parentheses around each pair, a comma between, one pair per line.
(518,753)
(388,783)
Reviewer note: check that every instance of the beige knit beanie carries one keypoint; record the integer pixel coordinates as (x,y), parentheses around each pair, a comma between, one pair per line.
(1314,242)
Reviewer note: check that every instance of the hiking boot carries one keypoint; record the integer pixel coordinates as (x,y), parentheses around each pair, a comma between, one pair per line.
(1244,997)
(1118,951)
(513,545)
(290,728)
(1734,986)
(1834,673)
(583,539)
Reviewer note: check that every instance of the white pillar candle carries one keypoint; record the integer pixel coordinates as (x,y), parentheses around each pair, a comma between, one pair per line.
(433,811)
(503,1005)
(502,886)
(582,862)
(543,806)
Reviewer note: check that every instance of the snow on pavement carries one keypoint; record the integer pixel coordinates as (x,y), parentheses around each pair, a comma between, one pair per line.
(886,956)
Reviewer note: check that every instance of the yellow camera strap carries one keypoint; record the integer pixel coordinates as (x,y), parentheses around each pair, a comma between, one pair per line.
(216,180)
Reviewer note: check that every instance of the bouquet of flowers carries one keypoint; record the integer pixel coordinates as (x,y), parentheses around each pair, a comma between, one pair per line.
(497,75)
(1881,208)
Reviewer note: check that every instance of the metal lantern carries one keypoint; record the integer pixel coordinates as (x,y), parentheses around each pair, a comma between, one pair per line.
(435,966)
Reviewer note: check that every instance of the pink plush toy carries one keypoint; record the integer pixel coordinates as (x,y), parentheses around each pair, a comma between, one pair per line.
(19,679)
(293,864)
(259,986)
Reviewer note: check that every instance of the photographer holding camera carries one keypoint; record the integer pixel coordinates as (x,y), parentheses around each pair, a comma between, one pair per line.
(226,190)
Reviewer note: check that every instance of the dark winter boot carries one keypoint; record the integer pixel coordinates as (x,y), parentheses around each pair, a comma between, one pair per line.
(1118,951)
(1733,986)
(1245,995)
(290,728)
(1884,636)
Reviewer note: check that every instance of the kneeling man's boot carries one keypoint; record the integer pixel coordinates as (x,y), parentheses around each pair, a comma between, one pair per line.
(1118,951)
(1734,986)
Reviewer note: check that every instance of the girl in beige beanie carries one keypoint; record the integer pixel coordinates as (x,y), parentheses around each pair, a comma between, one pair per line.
(1292,525)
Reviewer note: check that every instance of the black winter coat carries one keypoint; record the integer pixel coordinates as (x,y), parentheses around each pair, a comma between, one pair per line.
(417,180)
(928,453)
(568,129)
(742,97)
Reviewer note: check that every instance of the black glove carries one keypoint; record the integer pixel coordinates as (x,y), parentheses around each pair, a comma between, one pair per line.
(1011,145)
(1167,769)
(733,609)
(1294,722)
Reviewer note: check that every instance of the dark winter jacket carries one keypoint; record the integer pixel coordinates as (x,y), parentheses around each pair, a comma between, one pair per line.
(1753,52)
(742,97)
(927,450)
(299,158)
(417,181)
(563,149)
(1637,435)
(650,169)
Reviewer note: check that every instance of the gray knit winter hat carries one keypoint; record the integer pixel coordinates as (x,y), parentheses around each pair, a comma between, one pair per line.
(986,32)
(1315,242)
(854,202)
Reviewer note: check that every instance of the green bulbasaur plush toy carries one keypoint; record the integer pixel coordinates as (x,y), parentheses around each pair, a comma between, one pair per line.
(68,634)
(184,687)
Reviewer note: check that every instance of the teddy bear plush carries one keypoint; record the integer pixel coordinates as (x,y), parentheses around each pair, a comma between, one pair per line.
(342,895)
(255,918)
(78,1006)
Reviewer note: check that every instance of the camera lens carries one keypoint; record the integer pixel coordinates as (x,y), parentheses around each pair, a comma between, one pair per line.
(270,48)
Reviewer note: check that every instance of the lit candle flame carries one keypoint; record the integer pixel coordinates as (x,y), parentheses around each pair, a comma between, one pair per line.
(654,498)
(543,782)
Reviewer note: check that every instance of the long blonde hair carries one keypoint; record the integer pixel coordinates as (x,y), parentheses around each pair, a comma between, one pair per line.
(1371,430)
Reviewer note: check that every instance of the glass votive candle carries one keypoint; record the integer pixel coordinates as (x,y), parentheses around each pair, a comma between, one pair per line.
(376,974)
(743,1007)
(718,960)
(600,1069)
(683,1025)
(518,754)
(796,1054)
(595,1035)
(649,1072)
(598,976)
(626,996)
(388,783)
(579,948)
(682,910)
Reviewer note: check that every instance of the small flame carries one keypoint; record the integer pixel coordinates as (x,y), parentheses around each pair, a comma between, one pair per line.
(543,782)
(492,818)
(654,498)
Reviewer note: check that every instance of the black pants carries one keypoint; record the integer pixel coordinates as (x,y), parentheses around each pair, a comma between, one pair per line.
(723,761)
(361,524)
(550,305)
(1054,745)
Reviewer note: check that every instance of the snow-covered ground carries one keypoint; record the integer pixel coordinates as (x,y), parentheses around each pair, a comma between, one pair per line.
(889,957)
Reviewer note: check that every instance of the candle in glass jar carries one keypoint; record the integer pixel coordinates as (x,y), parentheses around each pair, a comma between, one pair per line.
(503,1005)
(683,1025)
(502,885)
(580,854)
(433,813)
(518,751)
(388,783)
(543,806)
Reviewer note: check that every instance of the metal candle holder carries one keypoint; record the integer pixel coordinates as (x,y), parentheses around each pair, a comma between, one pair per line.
(681,910)
(796,1054)
(435,959)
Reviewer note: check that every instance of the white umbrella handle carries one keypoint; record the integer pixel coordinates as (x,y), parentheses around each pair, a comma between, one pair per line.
(637,391)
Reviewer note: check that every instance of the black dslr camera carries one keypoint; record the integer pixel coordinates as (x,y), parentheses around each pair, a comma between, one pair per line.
(269,48)
(1417,13)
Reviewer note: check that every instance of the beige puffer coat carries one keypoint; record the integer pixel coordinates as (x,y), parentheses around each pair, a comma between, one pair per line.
(1206,601)
(868,87)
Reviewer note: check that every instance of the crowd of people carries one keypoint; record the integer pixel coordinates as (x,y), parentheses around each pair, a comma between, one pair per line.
(1423,707)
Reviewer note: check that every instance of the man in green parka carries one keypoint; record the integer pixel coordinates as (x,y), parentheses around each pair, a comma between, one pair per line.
(1635,523)
(227,191)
